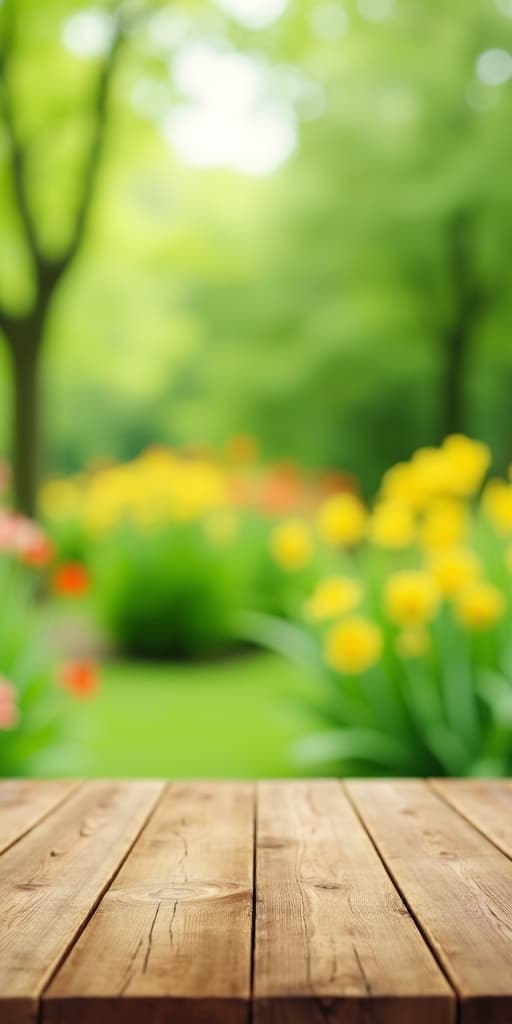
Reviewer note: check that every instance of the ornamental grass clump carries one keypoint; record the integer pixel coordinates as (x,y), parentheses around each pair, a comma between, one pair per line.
(409,628)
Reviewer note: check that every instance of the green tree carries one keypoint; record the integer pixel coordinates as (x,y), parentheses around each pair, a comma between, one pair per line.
(24,328)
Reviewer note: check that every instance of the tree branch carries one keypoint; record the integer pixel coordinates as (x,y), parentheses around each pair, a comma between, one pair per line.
(93,159)
(5,324)
(16,152)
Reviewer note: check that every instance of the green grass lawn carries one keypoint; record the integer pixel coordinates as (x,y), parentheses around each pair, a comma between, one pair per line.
(234,718)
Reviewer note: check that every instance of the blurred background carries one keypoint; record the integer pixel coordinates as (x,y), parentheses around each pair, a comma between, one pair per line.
(253,253)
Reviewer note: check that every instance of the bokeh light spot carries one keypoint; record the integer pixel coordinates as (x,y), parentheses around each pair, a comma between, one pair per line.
(329,20)
(494,67)
(88,33)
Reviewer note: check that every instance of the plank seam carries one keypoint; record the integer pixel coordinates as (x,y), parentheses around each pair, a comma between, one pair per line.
(256,790)
(469,821)
(422,931)
(95,904)
(43,816)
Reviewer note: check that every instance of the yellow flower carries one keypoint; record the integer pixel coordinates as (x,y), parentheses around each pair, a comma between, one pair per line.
(415,483)
(332,597)
(444,525)
(291,544)
(342,519)
(353,646)
(392,525)
(398,484)
(497,504)
(454,569)
(431,473)
(479,606)
(468,462)
(411,597)
(413,642)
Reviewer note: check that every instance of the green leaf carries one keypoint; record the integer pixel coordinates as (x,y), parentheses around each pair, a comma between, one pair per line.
(350,744)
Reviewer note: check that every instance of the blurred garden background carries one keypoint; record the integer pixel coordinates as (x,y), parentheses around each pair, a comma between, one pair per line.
(255,376)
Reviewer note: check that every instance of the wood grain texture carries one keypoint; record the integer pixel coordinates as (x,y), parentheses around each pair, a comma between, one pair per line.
(51,880)
(486,803)
(24,802)
(171,939)
(334,941)
(457,884)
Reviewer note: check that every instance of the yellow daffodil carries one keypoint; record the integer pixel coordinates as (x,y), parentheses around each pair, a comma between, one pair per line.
(411,597)
(444,524)
(353,646)
(398,484)
(291,544)
(392,525)
(342,519)
(497,504)
(468,462)
(454,569)
(480,606)
(413,642)
(431,473)
(333,597)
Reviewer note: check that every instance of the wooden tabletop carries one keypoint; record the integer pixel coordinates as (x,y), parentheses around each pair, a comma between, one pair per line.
(320,902)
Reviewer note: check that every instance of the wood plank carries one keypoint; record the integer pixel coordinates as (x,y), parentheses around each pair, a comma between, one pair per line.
(456,883)
(486,803)
(24,802)
(171,939)
(334,941)
(51,880)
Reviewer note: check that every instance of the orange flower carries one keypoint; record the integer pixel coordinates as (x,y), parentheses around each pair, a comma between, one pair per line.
(71,579)
(80,678)
(9,711)
(282,490)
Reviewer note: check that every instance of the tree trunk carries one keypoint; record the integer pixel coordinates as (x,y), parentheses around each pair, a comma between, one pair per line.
(467,304)
(453,411)
(25,440)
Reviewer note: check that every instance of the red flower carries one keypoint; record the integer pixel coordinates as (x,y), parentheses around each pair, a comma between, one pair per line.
(71,579)
(80,678)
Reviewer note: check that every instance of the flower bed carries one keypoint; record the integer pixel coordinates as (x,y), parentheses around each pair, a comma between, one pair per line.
(409,626)
(177,544)
(33,690)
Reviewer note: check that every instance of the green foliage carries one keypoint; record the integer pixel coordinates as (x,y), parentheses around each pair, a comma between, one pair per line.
(306,307)
(35,742)
(408,633)
(167,592)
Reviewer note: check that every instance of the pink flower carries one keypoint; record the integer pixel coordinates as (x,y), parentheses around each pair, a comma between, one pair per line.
(9,711)
(8,531)
(24,538)
(33,546)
